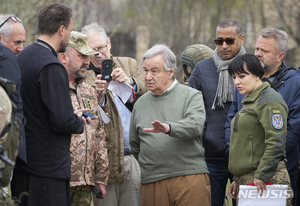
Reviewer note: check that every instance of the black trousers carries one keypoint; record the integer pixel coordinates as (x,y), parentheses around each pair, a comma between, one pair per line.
(42,191)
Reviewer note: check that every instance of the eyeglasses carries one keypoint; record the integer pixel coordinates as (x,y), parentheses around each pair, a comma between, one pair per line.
(102,49)
(14,18)
(229,41)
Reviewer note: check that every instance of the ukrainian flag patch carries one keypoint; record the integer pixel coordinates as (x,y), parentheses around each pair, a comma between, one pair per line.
(277,121)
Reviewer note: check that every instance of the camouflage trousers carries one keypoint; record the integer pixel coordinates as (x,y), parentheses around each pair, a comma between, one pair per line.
(81,195)
(281,177)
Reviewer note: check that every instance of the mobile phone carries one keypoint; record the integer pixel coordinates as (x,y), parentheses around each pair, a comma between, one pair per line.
(88,114)
(97,192)
(106,69)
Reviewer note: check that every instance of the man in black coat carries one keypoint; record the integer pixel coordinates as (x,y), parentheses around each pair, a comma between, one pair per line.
(49,113)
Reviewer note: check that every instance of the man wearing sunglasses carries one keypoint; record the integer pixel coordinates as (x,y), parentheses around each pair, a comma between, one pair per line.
(211,77)
(12,32)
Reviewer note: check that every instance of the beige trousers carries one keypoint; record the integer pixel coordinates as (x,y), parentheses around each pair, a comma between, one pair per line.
(191,190)
(126,193)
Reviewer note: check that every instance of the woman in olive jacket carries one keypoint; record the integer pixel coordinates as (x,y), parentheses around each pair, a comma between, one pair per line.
(258,130)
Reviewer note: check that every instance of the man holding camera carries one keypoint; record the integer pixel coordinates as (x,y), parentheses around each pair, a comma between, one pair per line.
(124,180)
(89,161)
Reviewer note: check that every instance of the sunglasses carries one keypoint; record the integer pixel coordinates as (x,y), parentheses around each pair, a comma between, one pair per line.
(14,18)
(229,41)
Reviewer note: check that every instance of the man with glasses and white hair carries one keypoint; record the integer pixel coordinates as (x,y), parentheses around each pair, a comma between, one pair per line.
(12,32)
(211,77)
(124,180)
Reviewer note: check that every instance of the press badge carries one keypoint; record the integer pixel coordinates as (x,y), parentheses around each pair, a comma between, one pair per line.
(277,121)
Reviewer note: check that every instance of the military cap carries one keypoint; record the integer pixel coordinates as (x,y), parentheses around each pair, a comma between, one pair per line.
(192,54)
(79,42)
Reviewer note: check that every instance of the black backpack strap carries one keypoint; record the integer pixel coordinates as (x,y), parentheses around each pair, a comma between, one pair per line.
(5,130)
(282,75)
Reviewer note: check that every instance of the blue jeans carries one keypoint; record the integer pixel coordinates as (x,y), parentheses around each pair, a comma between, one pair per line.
(218,176)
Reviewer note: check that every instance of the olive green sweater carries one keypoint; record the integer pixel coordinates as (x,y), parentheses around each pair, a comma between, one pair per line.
(178,153)
(258,134)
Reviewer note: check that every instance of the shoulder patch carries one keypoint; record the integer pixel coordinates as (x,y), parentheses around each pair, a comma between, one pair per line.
(277,121)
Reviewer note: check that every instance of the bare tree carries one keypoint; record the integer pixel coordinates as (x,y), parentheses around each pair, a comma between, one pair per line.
(177,23)
(289,15)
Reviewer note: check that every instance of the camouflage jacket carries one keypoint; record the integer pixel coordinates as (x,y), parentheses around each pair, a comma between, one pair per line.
(5,109)
(89,160)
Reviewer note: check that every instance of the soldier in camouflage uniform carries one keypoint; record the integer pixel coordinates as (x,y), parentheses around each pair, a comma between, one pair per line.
(89,160)
(191,55)
(5,115)
(5,109)
(9,140)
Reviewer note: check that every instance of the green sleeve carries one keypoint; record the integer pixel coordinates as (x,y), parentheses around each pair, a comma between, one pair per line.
(191,126)
(275,139)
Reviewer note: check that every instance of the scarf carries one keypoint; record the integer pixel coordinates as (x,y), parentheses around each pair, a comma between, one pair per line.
(225,88)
